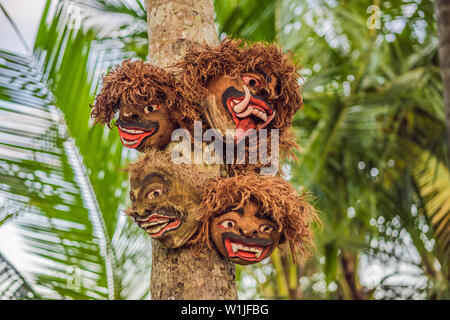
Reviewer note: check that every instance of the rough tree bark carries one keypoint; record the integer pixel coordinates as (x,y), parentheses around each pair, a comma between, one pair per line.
(176,274)
(442,9)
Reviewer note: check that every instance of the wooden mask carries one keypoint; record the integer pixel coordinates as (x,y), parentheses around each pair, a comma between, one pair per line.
(142,94)
(241,86)
(247,216)
(244,234)
(165,197)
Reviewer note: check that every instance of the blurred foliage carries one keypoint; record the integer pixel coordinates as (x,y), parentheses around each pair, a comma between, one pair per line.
(372,134)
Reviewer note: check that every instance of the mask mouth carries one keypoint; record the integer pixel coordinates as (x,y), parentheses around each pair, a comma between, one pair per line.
(254,249)
(133,134)
(156,225)
(247,111)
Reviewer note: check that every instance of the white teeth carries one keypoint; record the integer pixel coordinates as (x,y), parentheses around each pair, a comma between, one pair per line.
(241,105)
(253,111)
(131,130)
(236,247)
(247,112)
(157,228)
(262,115)
(129,142)
(154,223)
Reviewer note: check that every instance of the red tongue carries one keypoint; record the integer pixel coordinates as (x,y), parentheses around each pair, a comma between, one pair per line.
(242,127)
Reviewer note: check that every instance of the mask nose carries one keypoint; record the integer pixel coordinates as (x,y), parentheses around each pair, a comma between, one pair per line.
(131,115)
(248,232)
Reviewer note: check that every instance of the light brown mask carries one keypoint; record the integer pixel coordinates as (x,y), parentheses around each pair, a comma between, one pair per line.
(165,207)
(241,103)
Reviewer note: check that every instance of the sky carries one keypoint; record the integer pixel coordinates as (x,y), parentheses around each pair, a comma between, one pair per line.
(26,14)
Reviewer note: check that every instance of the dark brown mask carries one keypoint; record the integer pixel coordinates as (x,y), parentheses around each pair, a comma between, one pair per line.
(248,215)
(145,127)
(142,95)
(244,235)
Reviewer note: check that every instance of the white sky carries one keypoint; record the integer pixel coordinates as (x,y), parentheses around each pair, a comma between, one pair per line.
(26,14)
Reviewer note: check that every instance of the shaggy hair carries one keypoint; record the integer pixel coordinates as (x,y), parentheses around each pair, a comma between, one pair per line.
(287,146)
(231,58)
(133,82)
(279,200)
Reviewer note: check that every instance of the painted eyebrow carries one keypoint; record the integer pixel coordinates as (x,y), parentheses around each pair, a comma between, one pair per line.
(240,211)
(152,175)
(147,180)
(265,216)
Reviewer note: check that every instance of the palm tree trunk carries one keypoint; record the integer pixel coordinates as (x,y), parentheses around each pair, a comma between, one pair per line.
(442,9)
(175,24)
(350,273)
(176,274)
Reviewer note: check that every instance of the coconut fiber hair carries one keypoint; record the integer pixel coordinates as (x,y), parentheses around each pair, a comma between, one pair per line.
(133,82)
(231,58)
(277,198)
(287,145)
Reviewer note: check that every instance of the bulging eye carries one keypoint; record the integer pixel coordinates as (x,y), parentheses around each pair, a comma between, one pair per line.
(251,81)
(154,193)
(151,108)
(227,224)
(265,228)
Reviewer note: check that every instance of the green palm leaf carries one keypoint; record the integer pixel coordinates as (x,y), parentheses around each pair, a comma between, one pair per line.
(55,165)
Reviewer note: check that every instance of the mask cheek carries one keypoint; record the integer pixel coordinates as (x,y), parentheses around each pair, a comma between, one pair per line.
(188,222)
(180,236)
(216,236)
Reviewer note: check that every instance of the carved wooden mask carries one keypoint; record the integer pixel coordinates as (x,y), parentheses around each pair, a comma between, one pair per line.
(241,86)
(142,95)
(142,127)
(165,197)
(247,216)
(241,103)
(244,235)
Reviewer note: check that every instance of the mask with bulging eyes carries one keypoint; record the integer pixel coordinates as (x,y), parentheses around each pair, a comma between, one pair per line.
(141,96)
(247,216)
(165,197)
(241,103)
(144,127)
(243,234)
(242,88)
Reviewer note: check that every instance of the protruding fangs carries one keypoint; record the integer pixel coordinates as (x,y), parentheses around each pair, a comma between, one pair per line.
(241,105)
(235,247)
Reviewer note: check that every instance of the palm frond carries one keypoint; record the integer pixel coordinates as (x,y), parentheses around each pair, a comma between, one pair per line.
(12,284)
(63,172)
(15,27)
